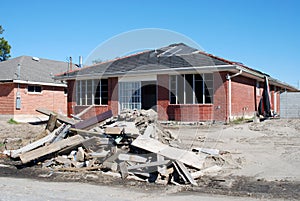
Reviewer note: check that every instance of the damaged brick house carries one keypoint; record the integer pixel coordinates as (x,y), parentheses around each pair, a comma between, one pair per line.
(26,83)
(180,82)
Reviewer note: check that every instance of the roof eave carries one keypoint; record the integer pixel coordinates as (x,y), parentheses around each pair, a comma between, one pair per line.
(40,83)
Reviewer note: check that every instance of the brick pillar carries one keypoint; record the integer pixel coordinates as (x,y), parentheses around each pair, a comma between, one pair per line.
(162,96)
(113,97)
(71,100)
(220,107)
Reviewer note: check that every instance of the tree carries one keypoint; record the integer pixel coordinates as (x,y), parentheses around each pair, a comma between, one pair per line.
(4,47)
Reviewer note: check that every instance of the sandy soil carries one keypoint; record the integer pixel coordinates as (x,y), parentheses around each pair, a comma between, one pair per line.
(268,150)
(262,162)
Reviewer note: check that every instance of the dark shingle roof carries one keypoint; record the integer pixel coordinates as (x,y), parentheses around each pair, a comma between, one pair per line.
(173,56)
(41,70)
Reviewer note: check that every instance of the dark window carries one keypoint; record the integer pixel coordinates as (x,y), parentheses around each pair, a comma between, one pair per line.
(92,92)
(34,89)
(191,89)
(198,89)
(180,89)
(104,92)
(173,89)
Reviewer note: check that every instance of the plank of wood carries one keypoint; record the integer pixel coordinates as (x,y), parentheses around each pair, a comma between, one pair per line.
(60,117)
(52,148)
(36,144)
(93,120)
(90,144)
(123,170)
(51,122)
(85,133)
(62,133)
(181,167)
(83,111)
(151,164)
(184,156)
(93,143)
(114,130)
(132,157)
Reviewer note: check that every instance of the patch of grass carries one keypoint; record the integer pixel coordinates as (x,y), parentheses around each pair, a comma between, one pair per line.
(12,121)
(1,144)
(241,120)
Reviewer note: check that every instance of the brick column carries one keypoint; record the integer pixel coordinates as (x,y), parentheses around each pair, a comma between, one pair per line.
(220,106)
(113,96)
(162,97)
(71,100)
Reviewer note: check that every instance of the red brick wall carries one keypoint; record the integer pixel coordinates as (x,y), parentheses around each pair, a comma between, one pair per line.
(163,97)
(71,101)
(220,108)
(243,96)
(191,112)
(51,98)
(113,101)
(93,111)
(7,99)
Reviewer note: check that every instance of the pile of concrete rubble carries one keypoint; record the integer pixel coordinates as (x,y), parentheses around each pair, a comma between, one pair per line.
(131,145)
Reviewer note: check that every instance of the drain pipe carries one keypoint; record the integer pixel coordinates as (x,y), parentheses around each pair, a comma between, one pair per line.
(228,77)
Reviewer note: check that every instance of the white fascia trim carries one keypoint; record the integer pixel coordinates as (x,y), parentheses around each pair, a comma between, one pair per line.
(39,83)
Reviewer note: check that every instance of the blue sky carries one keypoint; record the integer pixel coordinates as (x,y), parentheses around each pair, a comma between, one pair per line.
(262,34)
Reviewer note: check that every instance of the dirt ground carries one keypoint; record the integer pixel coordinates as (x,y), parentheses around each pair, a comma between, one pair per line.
(262,160)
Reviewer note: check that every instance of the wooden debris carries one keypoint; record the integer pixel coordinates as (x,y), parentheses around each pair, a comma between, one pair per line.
(36,144)
(52,148)
(61,135)
(93,120)
(184,172)
(60,117)
(114,131)
(51,122)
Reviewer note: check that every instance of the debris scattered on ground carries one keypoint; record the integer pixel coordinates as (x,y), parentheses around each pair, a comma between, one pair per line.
(133,145)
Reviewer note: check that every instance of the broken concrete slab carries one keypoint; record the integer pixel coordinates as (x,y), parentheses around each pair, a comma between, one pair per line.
(184,156)
(132,157)
(80,155)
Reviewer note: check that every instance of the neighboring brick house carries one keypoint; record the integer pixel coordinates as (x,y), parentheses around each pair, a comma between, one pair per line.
(180,82)
(26,83)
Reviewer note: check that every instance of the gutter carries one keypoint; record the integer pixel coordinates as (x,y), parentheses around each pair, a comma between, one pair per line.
(39,83)
(228,77)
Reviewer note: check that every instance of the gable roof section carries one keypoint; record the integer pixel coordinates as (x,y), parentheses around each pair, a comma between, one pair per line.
(171,57)
(39,71)
(174,57)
